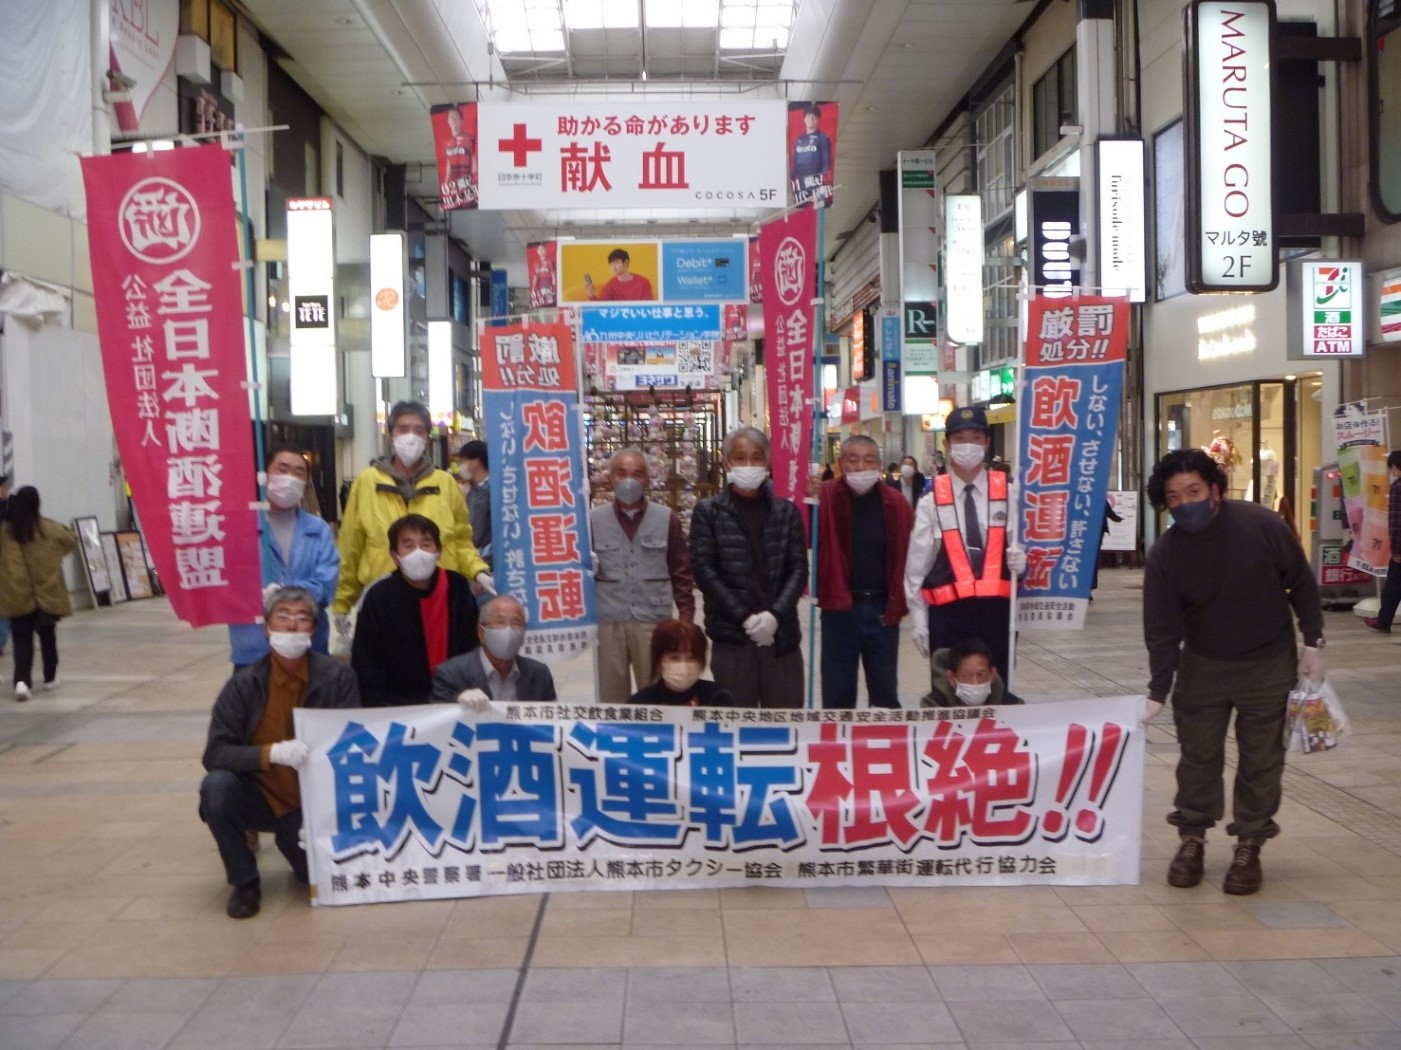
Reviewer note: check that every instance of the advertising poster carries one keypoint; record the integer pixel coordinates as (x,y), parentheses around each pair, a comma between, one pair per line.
(643,323)
(539,518)
(429,802)
(1366,497)
(542,260)
(1066,432)
(708,271)
(788,254)
(609,271)
(455,144)
(812,152)
(170,316)
(756,284)
(626,153)
(142,48)
(1123,535)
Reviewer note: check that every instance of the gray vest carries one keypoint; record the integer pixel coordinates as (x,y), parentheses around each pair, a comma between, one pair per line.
(633,581)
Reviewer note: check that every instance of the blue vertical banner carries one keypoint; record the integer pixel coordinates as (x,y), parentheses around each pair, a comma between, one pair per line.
(500,297)
(891,332)
(539,514)
(1068,418)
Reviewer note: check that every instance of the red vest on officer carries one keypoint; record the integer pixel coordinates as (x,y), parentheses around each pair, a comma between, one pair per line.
(952,578)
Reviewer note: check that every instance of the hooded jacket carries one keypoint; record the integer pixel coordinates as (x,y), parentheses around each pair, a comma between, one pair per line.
(31,574)
(380,497)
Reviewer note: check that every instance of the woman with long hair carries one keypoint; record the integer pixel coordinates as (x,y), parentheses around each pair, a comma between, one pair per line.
(33,593)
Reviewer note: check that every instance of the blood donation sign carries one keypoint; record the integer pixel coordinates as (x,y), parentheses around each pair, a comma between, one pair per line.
(1074,376)
(166,284)
(530,399)
(413,803)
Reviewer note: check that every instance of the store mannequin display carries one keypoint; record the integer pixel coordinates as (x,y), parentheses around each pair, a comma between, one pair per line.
(1223,450)
(1269,474)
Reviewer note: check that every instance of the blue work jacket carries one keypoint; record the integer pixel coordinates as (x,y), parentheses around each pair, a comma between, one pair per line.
(315,565)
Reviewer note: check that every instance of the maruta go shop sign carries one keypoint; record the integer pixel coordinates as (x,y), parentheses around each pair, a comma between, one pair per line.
(1230,206)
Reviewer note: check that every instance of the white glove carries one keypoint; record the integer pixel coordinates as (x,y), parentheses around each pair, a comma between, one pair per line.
(343,624)
(1311,665)
(474,700)
(486,582)
(292,753)
(1150,712)
(749,622)
(301,838)
(269,591)
(764,628)
(921,634)
(1016,559)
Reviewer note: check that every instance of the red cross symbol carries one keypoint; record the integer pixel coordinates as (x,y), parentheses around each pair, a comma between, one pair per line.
(519,146)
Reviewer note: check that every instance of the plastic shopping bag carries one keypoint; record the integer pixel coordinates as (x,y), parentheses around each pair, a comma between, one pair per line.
(1315,720)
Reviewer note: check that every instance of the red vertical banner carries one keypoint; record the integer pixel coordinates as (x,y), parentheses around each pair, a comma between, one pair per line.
(166,282)
(812,152)
(542,260)
(455,145)
(788,275)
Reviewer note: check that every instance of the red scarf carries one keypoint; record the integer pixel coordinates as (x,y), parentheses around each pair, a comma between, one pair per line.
(434,610)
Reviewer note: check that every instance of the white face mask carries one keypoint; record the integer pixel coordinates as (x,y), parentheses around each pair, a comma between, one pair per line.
(973,695)
(627,490)
(967,455)
(680,675)
(747,479)
(907,472)
(289,644)
(418,565)
(503,642)
(409,448)
(285,491)
(862,481)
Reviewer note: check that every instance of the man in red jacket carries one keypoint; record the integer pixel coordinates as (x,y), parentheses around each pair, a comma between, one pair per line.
(863,531)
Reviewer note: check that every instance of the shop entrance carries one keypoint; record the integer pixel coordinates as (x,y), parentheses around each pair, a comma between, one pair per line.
(1265,435)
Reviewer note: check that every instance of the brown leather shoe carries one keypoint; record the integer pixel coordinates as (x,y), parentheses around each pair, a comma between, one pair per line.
(1185,871)
(1244,876)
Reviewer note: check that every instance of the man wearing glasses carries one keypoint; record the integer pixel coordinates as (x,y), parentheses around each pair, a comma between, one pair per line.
(252,756)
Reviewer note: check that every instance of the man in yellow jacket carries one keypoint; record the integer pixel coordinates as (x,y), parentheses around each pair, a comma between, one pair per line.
(403,482)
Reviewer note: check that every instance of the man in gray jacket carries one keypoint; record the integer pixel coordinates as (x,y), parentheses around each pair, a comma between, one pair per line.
(474,474)
(494,671)
(252,755)
(644,568)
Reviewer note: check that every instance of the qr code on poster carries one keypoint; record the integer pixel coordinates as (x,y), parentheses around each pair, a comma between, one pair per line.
(695,357)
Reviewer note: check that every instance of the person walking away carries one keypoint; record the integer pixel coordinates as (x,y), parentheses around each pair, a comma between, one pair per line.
(1218,590)
(863,530)
(33,593)
(750,562)
(644,567)
(1391,589)
(960,564)
(400,483)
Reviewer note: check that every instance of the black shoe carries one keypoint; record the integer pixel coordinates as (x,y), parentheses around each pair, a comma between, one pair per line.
(1376,625)
(1244,876)
(1185,871)
(245,901)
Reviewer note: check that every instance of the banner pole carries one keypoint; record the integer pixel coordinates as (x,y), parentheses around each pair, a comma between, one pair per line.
(249,307)
(1014,493)
(814,451)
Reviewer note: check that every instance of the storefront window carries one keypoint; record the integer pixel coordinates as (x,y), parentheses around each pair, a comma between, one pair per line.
(1386,107)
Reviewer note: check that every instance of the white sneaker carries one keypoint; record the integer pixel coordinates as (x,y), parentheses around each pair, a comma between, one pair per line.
(52,683)
(21,691)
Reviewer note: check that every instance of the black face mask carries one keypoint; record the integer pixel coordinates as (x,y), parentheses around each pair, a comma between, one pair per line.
(1193,517)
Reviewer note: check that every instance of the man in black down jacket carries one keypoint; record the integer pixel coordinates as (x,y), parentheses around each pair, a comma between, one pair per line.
(253,756)
(750,562)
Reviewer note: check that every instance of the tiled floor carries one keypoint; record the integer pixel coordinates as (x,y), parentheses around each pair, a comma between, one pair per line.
(112,932)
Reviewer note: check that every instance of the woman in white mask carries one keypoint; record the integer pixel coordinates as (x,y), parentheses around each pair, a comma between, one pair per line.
(403,482)
(413,620)
(963,676)
(678,661)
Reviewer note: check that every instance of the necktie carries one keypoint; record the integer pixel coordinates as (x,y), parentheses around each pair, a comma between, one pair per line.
(972,530)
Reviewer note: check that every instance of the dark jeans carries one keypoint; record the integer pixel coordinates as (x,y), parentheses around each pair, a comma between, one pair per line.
(858,637)
(1391,593)
(1206,693)
(233,804)
(985,619)
(25,628)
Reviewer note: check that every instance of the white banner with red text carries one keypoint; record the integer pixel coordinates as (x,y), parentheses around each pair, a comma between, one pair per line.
(167,286)
(413,803)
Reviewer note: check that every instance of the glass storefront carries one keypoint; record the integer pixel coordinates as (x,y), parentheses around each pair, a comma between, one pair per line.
(1265,435)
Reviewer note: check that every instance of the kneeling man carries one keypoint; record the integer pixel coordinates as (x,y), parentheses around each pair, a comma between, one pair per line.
(252,755)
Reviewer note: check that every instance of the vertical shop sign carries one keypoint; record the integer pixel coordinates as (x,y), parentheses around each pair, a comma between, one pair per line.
(1066,432)
(539,517)
(311,276)
(1122,228)
(963,265)
(788,260)
(1330,314)
(1230,206)
(890,354)
(1389,306)
(455,145)
(1055,222)
(170,315)
(387,357)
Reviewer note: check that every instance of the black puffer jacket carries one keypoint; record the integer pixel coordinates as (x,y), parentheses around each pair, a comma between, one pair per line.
(722,566)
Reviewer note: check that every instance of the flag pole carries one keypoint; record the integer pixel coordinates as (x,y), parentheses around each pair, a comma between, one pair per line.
(249,306)
(814,452)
